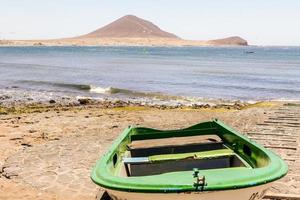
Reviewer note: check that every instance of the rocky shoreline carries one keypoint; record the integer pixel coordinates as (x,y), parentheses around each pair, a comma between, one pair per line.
(27,106)
(14,100)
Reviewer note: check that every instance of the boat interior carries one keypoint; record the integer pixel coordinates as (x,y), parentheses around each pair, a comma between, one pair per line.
(173,154)
(208,156)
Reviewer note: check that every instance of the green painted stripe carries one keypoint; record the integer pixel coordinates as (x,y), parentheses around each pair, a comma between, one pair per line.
(194,155)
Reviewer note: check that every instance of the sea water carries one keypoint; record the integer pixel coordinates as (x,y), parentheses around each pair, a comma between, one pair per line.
(165,73)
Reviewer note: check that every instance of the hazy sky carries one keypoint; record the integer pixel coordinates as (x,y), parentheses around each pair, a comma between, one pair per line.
(261,22)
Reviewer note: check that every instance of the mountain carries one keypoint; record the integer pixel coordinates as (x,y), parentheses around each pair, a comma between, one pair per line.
(235,40)
(128,31)
(130,26)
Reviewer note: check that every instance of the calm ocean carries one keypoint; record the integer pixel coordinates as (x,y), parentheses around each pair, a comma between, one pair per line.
(230,73)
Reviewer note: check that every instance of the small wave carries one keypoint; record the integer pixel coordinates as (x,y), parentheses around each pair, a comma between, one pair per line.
(153,96)
(84,87)
(128,92)
(74,86)
(102,90)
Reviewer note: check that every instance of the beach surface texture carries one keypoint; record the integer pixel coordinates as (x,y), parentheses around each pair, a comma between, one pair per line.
(48,150)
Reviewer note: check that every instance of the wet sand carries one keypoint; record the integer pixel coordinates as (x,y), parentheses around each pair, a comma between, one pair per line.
(48,152)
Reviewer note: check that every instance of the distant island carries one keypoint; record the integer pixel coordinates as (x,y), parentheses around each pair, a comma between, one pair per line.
(128,31)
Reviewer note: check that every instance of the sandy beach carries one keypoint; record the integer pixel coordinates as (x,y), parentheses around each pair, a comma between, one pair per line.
(47,152)
(158,42)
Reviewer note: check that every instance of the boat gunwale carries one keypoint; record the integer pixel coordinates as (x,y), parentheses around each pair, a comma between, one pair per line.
(276,169)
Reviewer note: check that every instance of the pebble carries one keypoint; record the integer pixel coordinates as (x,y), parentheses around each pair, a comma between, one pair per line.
(32,131)
(84,101)
(4,97)
(115,126)
(9,172)
(52,101)
(26,144)
(1,168)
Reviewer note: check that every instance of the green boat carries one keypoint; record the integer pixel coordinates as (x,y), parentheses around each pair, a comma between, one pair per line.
(208,161)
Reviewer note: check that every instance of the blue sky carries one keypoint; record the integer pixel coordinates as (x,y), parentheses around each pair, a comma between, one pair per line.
(261,22)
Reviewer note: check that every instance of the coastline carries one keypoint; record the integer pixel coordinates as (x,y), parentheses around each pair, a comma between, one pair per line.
(115,42)
(15,101)
(82,103)
(18,102)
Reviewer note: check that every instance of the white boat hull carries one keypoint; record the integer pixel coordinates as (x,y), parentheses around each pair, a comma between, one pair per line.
(250,193)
